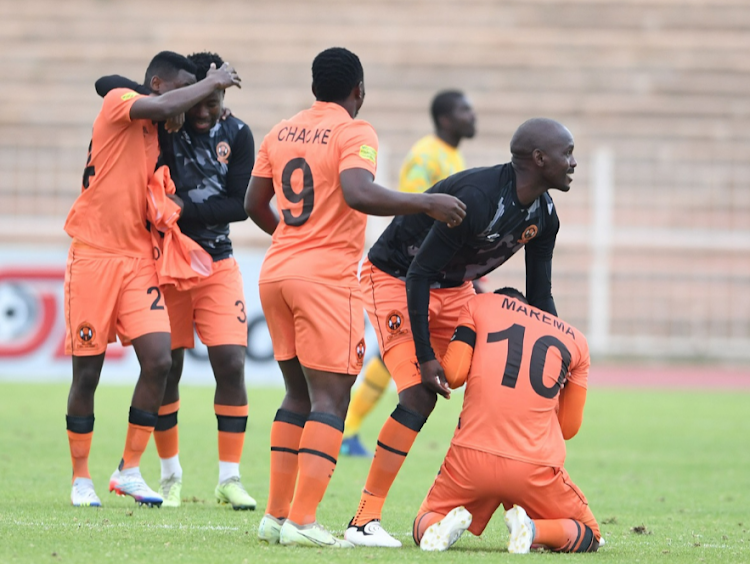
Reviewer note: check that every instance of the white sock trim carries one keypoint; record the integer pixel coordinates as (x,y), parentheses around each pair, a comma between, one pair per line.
(171,467)
(228,470)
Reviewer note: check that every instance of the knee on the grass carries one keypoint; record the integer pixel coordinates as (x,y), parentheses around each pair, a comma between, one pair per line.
(586,541)
(422,522)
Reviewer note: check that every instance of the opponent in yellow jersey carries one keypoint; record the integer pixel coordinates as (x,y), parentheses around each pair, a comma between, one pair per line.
(431,159)
(320,165)
(436,156)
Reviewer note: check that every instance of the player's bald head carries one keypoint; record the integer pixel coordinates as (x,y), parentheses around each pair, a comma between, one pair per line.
(538,133)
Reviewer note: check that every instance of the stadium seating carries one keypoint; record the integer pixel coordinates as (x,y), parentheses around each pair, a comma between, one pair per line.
(664,88)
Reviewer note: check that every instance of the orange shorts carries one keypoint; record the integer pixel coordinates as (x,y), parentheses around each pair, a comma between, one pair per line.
(385,300)
(109,295)
(323,326)
(216,305)
(481,482)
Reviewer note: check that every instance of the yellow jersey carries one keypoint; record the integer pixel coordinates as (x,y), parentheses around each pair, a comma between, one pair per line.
(428,161)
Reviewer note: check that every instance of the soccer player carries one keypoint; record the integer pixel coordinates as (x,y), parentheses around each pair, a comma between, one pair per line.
(431,159)
(418,277)
(111,286)
(525,372)
(320,164)
(213,161)
(210,160)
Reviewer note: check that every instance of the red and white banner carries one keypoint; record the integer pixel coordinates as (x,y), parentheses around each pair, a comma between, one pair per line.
(32,328)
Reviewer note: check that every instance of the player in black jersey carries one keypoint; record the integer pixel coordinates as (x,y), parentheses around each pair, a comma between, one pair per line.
(417,278)
(211,161)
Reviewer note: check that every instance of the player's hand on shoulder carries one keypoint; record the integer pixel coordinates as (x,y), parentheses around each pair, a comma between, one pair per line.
(225,114)
(446,208)
(433,378)
(224,77)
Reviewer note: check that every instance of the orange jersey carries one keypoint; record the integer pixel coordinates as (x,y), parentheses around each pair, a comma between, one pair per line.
(522,358)
(319,237)
(110,212)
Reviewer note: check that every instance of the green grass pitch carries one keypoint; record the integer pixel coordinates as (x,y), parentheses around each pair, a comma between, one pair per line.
(667,474)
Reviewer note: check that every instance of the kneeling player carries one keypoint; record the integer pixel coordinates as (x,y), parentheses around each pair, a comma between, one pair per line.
(509,447)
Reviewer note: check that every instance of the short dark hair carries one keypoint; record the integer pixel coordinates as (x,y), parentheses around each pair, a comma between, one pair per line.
(513,293)
(166,65)
(202,62)
(443,104)
(336,71)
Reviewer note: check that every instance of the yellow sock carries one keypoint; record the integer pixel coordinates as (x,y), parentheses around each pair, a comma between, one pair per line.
(366,395)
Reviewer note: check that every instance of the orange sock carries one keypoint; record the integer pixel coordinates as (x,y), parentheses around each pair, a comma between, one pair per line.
(286,432)
(80,433)
(318,451)
(140,427)
(166,435)
(232,422)
(394,442)
(565,535)
(423,522)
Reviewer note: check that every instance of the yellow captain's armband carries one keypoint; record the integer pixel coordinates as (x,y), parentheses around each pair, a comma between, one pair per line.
(129,95)
(368,153)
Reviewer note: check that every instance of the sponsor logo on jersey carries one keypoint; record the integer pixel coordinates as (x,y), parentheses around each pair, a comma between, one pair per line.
(129,96)
(529,233)
(368,153)
(223,150)
(86,335)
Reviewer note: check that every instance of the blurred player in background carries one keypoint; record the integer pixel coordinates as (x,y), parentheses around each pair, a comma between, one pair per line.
(430,160)
(211,160)
(419,274)
(111,285)
(526,373)
(320,164)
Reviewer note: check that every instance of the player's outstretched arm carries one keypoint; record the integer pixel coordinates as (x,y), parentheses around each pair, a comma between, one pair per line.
(258,203)
(363,194)
(160,108)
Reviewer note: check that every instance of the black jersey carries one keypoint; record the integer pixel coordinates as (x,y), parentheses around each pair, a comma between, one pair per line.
(428,254)
(210,170)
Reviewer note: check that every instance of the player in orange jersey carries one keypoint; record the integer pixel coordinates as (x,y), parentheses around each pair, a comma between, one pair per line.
(320,164)
(210,160)
(111,286)
(525,372)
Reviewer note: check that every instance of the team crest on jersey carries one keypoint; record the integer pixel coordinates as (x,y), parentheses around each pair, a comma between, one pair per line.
(529,233)
(86,334)
(360,350)
(223,150)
